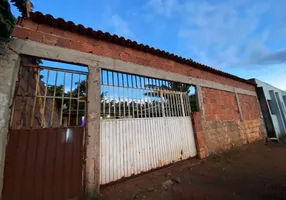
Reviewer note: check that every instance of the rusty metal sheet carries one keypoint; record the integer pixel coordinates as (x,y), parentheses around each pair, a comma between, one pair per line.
(44,164)
(132,146)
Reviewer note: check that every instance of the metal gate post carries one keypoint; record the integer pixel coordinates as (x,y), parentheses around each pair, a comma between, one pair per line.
(162,100)
(93,133)
(182,104)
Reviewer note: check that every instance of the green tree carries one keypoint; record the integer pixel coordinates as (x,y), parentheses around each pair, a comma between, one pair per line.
(7,20)
(58,90)
(170,86)
(21,6)
(78,92)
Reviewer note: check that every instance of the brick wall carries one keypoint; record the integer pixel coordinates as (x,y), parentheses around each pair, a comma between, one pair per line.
(59,37)
(249,107)
(222,128)
(219,105)
(199,135)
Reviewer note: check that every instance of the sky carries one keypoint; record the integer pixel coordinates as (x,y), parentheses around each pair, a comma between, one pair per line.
(245,38)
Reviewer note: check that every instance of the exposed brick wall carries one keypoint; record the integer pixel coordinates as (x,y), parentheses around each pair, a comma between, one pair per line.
(222,128)
(249,107)
(199,136)
(58,37)
(219,105)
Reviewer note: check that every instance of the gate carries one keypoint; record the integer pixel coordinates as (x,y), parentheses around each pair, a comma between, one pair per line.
(145,124)
(45,151)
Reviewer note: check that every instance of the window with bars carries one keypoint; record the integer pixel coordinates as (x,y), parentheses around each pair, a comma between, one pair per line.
(49,96)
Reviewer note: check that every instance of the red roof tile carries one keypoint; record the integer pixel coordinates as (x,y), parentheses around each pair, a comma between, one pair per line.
(40,18)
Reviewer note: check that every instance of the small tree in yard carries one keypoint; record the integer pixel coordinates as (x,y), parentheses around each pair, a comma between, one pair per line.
(59,92)
(7,20)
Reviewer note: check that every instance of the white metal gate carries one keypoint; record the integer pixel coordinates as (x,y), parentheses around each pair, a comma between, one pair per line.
(145,124)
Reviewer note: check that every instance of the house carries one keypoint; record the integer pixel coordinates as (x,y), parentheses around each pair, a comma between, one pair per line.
(273,105)
(100,151)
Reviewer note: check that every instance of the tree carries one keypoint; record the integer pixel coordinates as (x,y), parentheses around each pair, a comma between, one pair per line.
(21,6)
(79,91)
(193,103)
(172,86)
(58,90)
(7,20)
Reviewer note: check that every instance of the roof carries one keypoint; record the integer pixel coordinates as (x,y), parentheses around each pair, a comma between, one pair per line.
(40,18)
(260,83)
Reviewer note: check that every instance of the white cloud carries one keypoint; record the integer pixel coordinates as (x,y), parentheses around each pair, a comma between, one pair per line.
(121,26)
(226,33)
(164,7)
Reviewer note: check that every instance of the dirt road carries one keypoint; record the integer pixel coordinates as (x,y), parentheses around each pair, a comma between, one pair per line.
(255,171)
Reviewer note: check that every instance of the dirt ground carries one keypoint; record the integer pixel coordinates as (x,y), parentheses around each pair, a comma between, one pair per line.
(254,171)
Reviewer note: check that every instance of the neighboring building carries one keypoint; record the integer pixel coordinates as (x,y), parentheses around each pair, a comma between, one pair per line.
(273,106)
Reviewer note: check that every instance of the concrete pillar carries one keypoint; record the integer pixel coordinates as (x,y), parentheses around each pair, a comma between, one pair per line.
(199,136)
(93,133)
(199,100)
(239,106)
(9,66)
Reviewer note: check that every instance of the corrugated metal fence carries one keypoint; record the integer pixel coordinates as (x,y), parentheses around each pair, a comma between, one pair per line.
(44,164)
(132,146)
(145,124)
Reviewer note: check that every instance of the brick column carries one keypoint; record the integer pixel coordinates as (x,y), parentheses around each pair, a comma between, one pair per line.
(198,133)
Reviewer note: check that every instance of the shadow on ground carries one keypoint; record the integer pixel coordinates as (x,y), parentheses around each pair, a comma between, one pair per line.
(254,171)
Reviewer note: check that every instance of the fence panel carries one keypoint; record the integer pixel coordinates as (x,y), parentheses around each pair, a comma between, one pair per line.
(145,124)
(44,164)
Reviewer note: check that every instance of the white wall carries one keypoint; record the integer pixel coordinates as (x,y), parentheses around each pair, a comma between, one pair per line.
(278,121)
